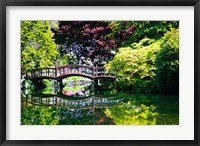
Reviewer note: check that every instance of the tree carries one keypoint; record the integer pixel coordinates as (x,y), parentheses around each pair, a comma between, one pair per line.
(38,49)
(135,65)
(127,32)
(143,66)
(96,42)
(85,42)
(167,63)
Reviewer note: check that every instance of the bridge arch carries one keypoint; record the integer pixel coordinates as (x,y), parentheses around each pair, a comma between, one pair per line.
(73,74)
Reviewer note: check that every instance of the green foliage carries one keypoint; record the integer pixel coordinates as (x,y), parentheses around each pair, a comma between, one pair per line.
(43,86)
(39,115)
(148,66)
(84,117)
(38,49)
(62,60)
(47,86)
(136,66)
(106,85)
(146,60)
(127,32)
(46,82)
(153,29)
(166,108)
(30,85)
(167,63)
(127,114)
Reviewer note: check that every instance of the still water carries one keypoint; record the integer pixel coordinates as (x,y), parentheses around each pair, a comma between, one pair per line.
(76,102)
(79,102)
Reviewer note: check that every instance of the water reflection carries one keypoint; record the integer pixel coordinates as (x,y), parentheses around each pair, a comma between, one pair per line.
(78,102)
(77,93)
(78,87)
(60,101)
(74,103)
(71,82)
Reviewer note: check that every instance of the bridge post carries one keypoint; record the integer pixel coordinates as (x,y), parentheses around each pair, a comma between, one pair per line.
(61,84)
(55,71)
(92,70)
(56,102)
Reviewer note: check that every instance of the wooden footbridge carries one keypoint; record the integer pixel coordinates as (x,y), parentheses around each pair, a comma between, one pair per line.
(62,72)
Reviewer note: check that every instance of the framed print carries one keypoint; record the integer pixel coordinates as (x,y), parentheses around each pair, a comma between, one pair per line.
(100,73)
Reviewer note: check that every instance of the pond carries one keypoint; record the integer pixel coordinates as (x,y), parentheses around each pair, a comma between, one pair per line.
(78,101)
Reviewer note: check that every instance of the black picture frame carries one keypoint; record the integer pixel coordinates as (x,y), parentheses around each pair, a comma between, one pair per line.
(5,3)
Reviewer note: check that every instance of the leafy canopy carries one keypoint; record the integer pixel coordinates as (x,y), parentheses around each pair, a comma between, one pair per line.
(135,65)
(38,49)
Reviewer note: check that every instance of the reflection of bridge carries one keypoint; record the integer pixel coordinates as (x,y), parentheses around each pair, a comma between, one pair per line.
(57,101)
(59,73)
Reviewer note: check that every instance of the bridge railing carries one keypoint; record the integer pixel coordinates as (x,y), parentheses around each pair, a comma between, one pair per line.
(74,69)
(101,71)
(69,69)
(47,72)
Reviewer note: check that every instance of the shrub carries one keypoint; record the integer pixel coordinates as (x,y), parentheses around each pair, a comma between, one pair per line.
(136,67)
